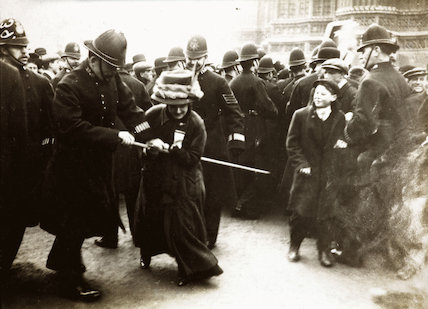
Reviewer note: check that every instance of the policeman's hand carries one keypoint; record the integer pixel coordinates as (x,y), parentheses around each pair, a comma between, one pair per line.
(348,116)
(305,171)
(126,137)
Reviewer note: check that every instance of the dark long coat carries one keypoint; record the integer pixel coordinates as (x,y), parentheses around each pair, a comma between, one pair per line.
(38,101)
(346,98)
(169,213)
(313,195)
(79,186)
(13,139)
(380,114)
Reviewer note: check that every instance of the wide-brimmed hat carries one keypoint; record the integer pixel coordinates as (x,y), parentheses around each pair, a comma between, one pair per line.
(176,87)
(110,46)
(229,59)
(336,64)
(71,50)
(376,34)
(248,52)
(332,86)
(265,65)
(175,54)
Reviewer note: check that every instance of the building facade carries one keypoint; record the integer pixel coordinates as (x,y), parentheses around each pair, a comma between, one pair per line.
(284,24)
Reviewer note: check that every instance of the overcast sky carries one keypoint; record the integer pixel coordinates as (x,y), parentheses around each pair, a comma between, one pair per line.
(151,27)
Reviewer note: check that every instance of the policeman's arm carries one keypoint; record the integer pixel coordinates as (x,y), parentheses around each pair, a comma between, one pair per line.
(71,126)
(130,114)
(233,116)
(267,107)
(366,114)
(294,149)
(47,120)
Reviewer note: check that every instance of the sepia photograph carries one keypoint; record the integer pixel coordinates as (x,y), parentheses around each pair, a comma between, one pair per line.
(214,154)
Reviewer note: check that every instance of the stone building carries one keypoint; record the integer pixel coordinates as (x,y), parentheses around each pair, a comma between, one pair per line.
(284,24)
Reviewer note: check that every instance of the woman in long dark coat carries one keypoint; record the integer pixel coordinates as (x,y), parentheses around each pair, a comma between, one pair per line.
(315,145)
(169,217)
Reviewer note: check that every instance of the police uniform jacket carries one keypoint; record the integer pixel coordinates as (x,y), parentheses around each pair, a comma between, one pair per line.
(380,113)
(219,98)
(38,103)
(59,76)
(13,139)
(79,185)
(256,105)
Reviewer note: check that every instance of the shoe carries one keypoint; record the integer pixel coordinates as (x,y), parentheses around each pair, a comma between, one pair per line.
(81,291)
(326,259)
(293,255)
(105,242)
(145,262)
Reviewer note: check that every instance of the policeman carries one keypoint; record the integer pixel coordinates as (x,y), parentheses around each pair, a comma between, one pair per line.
(217,96)
(417,80)
(70,58)
(251,94)
(266,73)
(230,67)
(79,183)
(176,59)
(38,104)
(380,116)
(13,143)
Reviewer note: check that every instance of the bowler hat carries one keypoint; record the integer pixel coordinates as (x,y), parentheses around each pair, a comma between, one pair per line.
(160,63)
(176,88)
(40,51)
(332,86)
(248,52)
(138,58)
(376,34)
(297,57)
(229,59)
(110,46)
(196,47)
(71,50)
(265,65)
(335,64)
(325,53)
(175,54)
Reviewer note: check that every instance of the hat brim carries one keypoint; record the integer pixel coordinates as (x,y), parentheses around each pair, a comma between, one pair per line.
(195,55)
(249,57)
(296,63)
(172,101)
(90,46)
(264,70)
(71,55)
(333,67)
(374,42)
(228,65)
(174,59)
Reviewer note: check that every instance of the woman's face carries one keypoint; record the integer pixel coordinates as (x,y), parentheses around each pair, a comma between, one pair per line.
(323,97)
(178,111)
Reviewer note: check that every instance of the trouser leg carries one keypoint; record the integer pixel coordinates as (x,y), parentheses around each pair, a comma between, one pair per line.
(298,230)
(65,255)
(11,236)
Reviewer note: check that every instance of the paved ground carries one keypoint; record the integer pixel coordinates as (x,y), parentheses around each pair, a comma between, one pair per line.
(256,275)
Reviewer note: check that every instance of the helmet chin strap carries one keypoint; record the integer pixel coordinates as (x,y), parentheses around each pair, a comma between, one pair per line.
(368,58)
(13,59)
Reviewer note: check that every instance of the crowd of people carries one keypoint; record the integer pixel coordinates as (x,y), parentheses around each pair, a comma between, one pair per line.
(309,137)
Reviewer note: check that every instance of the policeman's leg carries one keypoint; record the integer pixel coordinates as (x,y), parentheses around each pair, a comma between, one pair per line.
(11,236)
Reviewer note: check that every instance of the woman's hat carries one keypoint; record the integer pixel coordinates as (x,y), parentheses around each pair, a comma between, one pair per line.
(110,46)
(176,87)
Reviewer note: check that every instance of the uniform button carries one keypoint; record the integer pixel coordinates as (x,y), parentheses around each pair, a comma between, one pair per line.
(102,117)
(102,96)
(102,102)
(112,123)
(105,107)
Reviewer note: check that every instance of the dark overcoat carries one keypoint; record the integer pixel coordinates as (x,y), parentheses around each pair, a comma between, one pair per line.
(346,98)
(307,146)
(38,104)
(79,186)
(380,114)
(169,213)
(13,140)
(257,107)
